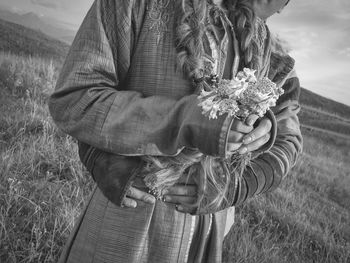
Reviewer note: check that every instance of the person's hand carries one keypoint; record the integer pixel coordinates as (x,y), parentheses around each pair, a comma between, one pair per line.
(134,194)
(256,138)
(238,130)
(184,196)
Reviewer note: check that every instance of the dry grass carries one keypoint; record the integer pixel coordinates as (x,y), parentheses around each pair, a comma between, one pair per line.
(42,183)
(43,186)
(307,218)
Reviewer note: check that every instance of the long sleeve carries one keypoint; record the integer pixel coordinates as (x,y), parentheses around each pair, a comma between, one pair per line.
(112,173)
(273,162)
(94,103)
(267,170)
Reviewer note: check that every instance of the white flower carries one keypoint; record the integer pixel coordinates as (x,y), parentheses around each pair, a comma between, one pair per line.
(207,105)
(214,111)
(259,96)
(205,94)
(234,87)
(250,74)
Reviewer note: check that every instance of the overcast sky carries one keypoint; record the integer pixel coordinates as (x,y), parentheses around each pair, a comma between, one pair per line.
(317,30)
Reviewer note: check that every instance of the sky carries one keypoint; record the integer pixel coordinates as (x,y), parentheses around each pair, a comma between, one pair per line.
(318,32)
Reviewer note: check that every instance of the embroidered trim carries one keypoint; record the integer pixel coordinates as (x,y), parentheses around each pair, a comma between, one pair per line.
(160,17)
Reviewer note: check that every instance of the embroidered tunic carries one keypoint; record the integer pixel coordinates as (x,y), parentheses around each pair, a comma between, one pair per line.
(121,94)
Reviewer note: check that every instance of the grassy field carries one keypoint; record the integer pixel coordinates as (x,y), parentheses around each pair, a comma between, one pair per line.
(43,186)
(18,39)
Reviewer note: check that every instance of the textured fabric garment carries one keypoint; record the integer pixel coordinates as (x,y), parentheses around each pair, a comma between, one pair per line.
(121,95)
(120,89)
(149,233)
(208,229)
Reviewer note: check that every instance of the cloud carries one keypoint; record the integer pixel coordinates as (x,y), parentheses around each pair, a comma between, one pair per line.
(345,52)
(47,3)
(319,34)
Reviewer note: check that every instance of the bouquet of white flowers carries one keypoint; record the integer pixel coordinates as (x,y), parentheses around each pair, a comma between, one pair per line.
(240,97)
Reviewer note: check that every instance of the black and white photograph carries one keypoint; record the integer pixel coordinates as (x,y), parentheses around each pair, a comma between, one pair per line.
(174,131)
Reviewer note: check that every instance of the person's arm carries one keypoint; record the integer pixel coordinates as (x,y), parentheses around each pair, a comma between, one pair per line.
(272,162)
(267,170)
(92,104)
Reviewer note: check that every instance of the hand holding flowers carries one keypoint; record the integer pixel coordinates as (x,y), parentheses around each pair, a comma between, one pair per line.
(247,99)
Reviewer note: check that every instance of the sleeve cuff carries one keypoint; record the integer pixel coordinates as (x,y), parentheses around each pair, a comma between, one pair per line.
(223,137)
(112,173)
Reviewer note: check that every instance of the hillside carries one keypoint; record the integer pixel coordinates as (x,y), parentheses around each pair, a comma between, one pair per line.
(322,115)
(21,40)
(311,99)
(47,25)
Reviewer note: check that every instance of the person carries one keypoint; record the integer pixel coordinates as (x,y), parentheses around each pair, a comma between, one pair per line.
(129,89)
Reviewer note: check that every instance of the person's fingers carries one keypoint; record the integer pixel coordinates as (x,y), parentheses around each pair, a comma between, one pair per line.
(232,147)
(178,189)
(137,194)
(182,195)
(242,127)
(178,199)
(251,119)
(235,137)
(130,203)
(263,128)
(234,142)
(255,145)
